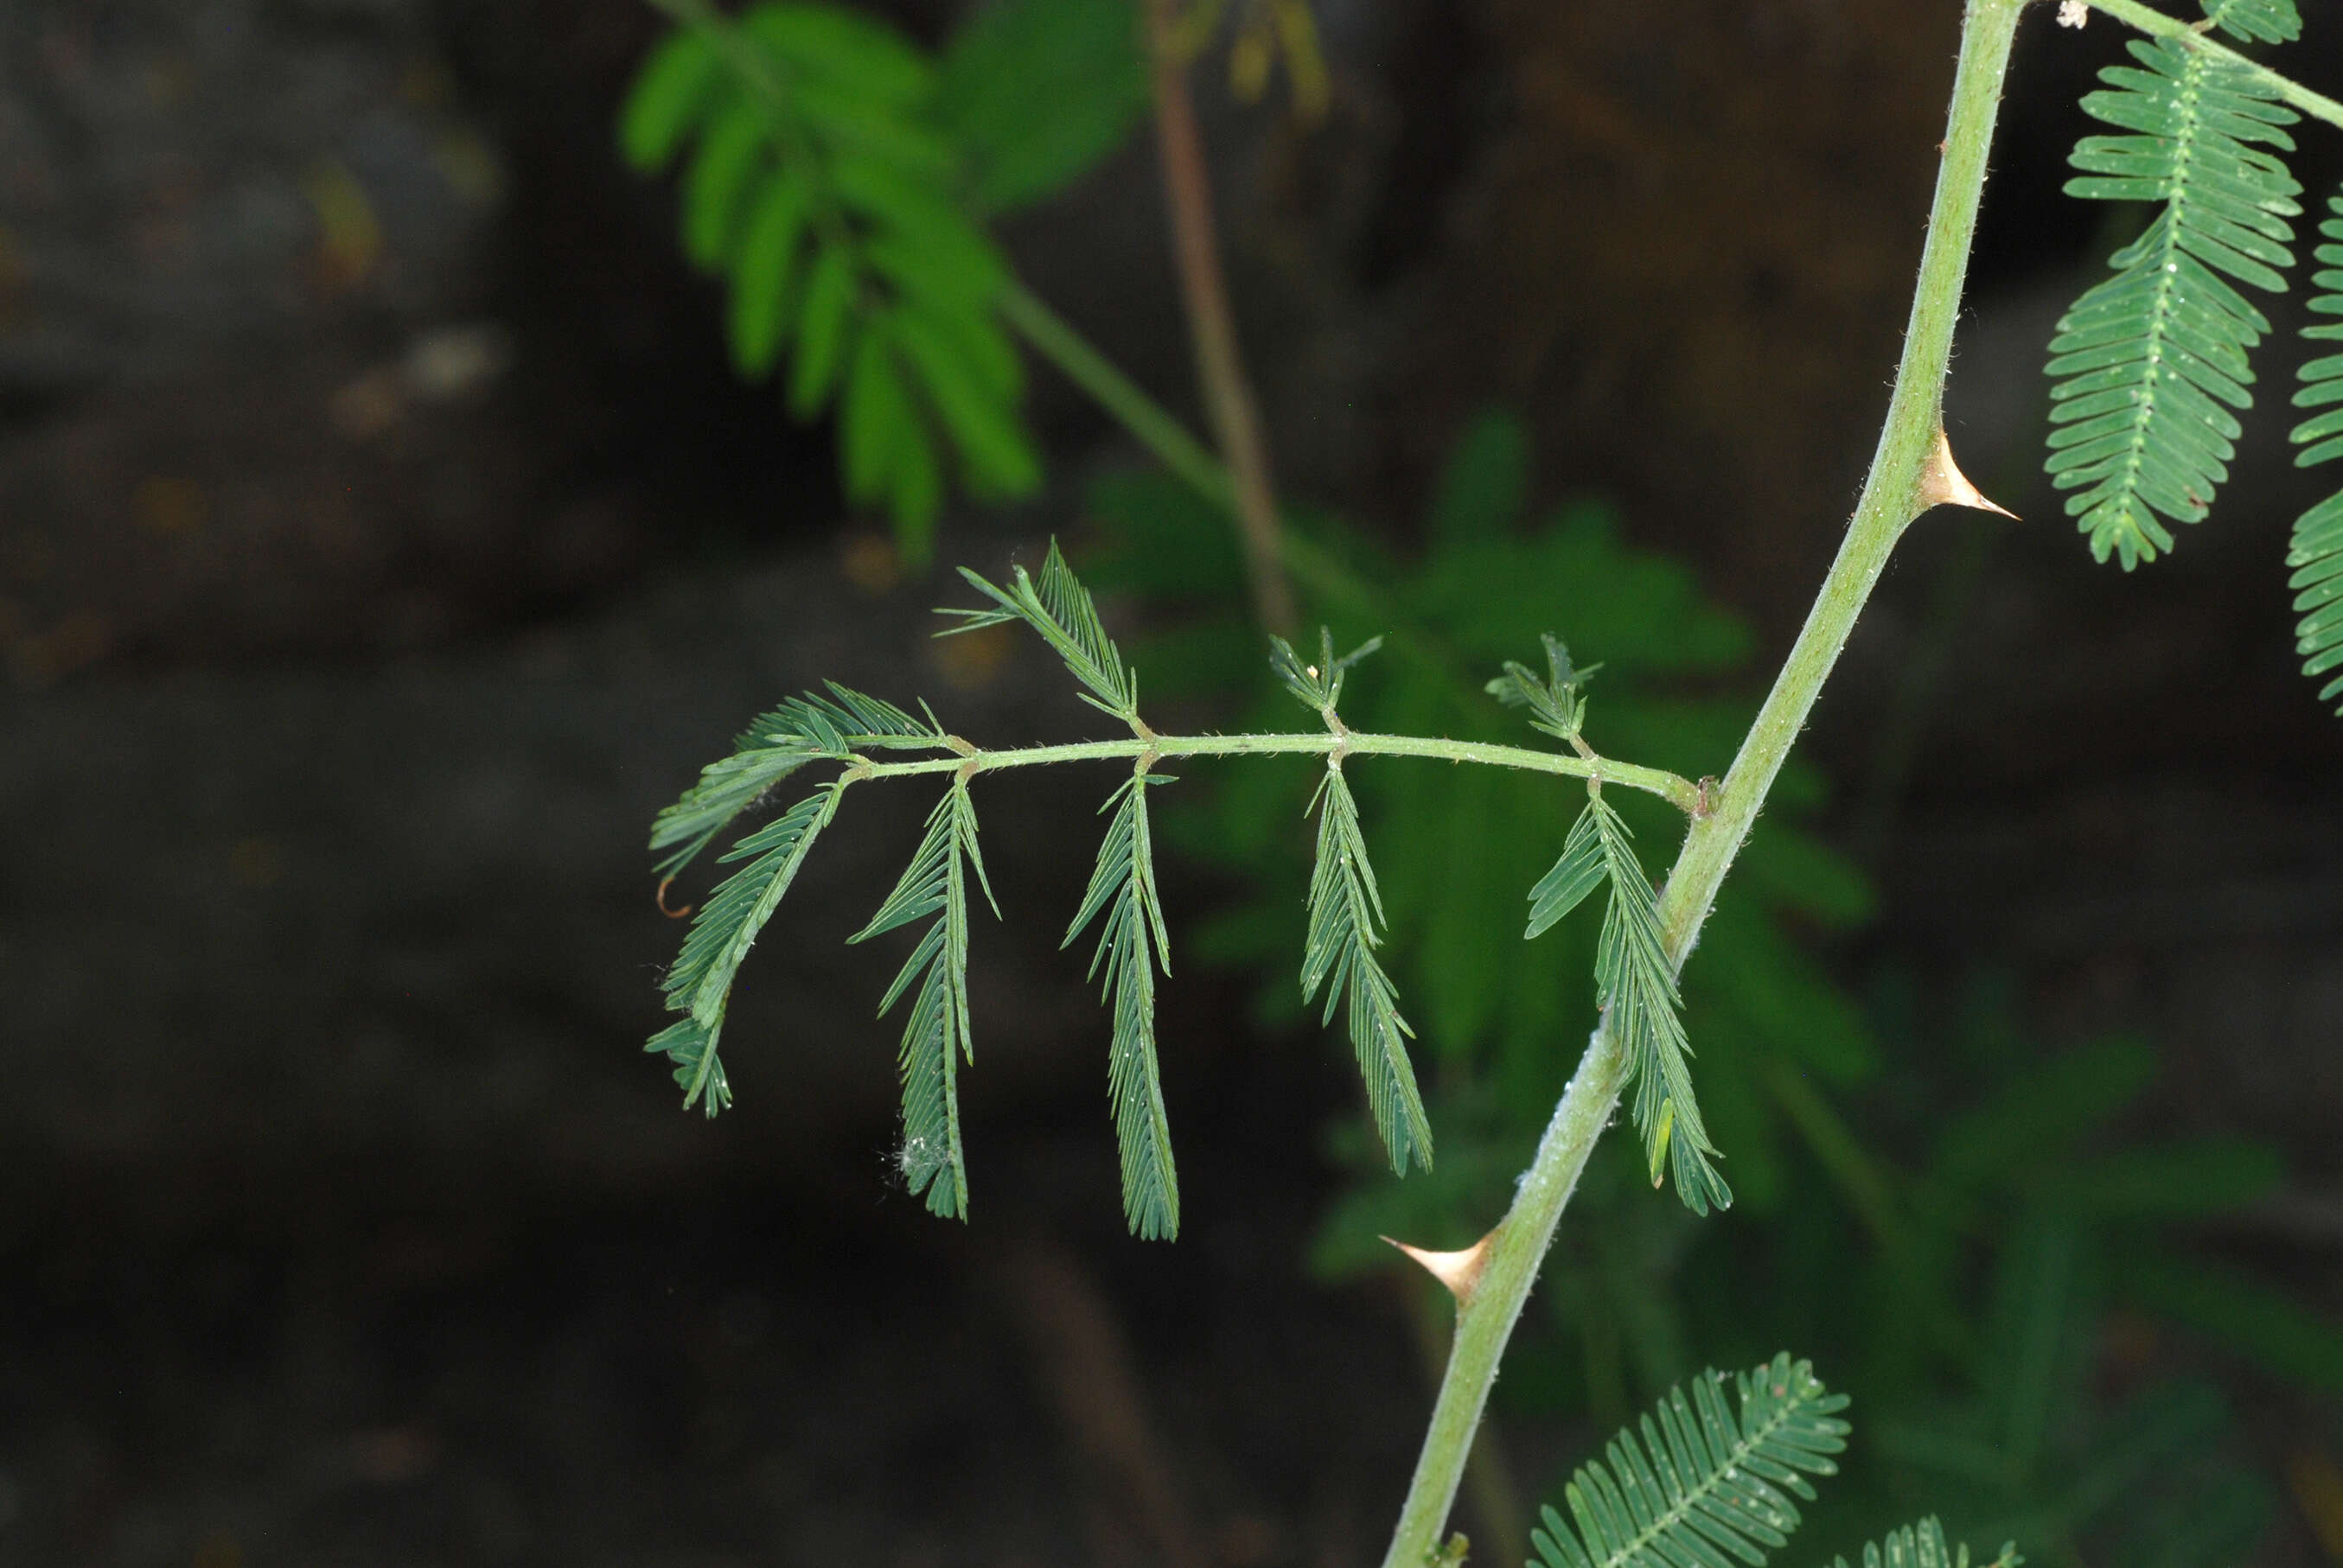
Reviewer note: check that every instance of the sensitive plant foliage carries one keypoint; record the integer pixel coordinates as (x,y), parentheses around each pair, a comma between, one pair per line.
(2317,555)
(1345,915)
(2150,356)
(1699,1482)
(2155,363)
(835,179)
(1475,840)
(1702,1475)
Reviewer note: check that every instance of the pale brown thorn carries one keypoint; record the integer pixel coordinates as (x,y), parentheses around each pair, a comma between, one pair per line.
(1943,484)
(659,898)
(1460,1272)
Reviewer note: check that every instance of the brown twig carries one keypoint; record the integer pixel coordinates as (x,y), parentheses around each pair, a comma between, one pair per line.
(1228,396)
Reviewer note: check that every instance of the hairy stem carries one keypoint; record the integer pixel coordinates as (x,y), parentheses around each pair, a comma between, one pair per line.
(2156,23)
(1679,792)
(1890,498)
(1228,396)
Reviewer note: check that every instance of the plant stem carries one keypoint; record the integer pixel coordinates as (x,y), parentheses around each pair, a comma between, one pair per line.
(1228,396)
(1681,793)
(1890,501)
(2155,23)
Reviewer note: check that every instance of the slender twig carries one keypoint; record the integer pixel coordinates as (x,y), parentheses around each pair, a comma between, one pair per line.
(1891,500)
(1681,793)
(2151,21)
(1228,396)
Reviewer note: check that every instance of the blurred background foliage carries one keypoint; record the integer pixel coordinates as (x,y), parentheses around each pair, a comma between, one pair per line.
(385,529)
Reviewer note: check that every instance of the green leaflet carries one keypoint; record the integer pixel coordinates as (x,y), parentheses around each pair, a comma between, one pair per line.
(669,95)
(764,266)
(1638,985)
(827,190)
(936,1034)
(1345,913)
(1122,891)
(1703,1480)
(2153,361)
(2316,553)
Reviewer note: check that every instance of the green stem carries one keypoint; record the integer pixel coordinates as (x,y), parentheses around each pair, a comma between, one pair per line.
(1681,793)
(2151,21)
(1893,494)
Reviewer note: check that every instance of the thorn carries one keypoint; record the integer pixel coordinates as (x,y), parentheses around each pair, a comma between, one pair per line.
(1460,1272)
(1942,483)
(659,898)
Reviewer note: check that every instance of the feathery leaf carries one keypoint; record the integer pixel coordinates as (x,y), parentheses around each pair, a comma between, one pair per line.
(1639,989)
(1059,608)
(1703,1480)
(824,187)
(1345,908)
(936,1035)
(1122,889)
(2315,556)
(1923,1545)
(2150,357)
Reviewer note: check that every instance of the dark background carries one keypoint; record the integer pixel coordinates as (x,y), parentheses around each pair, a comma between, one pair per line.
(383,539)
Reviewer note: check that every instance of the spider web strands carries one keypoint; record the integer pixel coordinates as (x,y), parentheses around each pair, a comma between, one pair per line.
(2154,360)
(1702,1482)
(1060,609)
(803,730)
(1122,891)
(1345,910)
(1638,986)
(936,1035)
(2315,552)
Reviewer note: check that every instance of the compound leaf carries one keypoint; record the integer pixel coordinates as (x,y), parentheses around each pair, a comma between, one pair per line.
(936,1035)
(1701,1480)
(1346,913)
(2154,360)
(2316,553)
(1132,943)
(1638,985)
